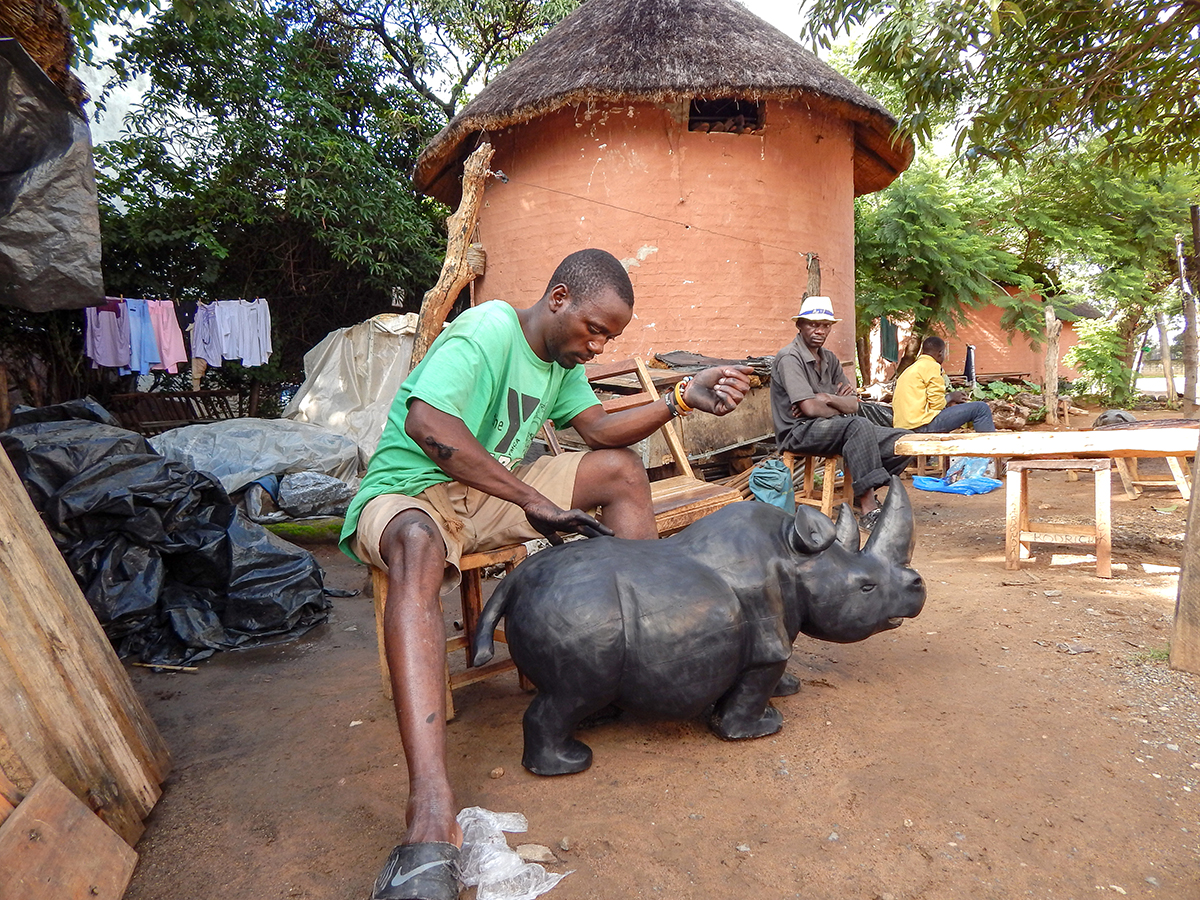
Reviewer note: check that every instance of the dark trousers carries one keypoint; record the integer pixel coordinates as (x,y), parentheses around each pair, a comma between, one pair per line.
(867,448)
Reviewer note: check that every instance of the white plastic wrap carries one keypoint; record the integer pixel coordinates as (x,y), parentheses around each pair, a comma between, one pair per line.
(352,376)
(488,861)
(238,451)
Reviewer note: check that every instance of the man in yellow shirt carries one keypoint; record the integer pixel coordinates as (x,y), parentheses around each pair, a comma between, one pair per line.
(921,403)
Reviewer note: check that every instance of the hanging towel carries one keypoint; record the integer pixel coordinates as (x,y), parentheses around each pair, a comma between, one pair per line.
(167,334)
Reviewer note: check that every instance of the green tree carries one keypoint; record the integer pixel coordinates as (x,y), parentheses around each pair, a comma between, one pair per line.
(270,157)
(1035,73)
(927,251)
(441,48)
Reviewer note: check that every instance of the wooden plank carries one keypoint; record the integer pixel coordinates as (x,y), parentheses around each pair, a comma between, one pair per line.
(668,430)
(1033,444)
(1014,507)
(67,706)
(1185,640)
(55,848)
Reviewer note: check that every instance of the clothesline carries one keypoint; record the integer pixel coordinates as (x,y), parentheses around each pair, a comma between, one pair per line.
(135,335)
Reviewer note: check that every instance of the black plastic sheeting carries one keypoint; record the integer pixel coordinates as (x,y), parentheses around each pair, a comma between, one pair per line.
(172,568)
(49,221)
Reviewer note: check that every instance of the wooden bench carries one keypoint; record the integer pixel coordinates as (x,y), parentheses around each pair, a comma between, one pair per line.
(154,412)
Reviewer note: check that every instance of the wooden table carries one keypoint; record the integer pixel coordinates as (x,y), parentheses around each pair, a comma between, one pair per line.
(1063,450)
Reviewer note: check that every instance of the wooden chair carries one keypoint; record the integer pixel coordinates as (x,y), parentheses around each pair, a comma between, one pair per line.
(471,592)
(807,492)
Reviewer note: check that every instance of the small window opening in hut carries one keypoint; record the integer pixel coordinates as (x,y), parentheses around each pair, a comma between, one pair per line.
(726,115)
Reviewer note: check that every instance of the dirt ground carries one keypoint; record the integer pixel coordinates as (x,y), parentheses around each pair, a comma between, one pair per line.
(1022,737)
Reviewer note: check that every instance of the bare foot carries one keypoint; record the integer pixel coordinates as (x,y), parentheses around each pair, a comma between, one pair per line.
(430,814)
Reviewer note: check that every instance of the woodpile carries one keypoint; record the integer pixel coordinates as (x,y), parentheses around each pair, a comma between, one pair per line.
(81,761)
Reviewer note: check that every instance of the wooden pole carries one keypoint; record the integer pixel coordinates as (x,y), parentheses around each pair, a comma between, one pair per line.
(1164,342)
(1185,643)
(456,271)
(1191,346)
(1053,330)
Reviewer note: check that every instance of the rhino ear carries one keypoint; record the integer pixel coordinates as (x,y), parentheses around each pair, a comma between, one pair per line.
(812,532)
(847,528)
(893,538)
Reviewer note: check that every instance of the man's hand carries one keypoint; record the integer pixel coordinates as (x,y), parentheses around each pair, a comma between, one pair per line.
(955,397)
(718,390)
(844,389)
(549,520)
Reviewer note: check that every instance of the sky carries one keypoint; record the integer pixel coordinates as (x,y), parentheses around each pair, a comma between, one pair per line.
(106,125)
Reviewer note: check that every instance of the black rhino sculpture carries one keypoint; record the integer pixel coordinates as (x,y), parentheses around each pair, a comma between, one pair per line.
(705,618)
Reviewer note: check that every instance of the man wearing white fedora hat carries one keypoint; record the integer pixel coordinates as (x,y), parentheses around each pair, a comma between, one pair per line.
(816,412)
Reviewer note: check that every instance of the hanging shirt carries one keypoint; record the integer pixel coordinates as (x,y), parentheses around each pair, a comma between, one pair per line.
(206,335)
(143,346)
(167,334)
(106,335)
(229,316)
(255,338)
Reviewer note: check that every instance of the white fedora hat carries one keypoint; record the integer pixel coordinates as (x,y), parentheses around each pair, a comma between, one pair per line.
(816,309)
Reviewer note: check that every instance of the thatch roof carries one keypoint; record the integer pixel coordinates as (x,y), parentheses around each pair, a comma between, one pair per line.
(43,29)
(615,51)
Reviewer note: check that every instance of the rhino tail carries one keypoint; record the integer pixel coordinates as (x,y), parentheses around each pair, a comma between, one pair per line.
(483,647)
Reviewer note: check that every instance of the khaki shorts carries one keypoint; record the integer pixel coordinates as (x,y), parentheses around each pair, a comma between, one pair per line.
(469,520)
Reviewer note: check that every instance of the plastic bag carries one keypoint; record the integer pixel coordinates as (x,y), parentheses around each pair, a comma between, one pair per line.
(171,568)
(771,482)
(304,494)
(965,476)
(488,861)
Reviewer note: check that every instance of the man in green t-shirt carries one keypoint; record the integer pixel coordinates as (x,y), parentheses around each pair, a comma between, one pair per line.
(441,483)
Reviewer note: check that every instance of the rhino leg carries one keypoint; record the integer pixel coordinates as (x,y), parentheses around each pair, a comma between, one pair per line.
(788,685)
(745,710)
(550,722)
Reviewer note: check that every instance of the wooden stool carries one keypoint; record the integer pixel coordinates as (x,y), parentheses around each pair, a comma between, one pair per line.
(923,465)
(471,592)
(808,493)
(1019,533)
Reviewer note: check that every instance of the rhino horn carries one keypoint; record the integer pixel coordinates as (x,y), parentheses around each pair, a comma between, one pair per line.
(893,537)
(812,531)
(847,528)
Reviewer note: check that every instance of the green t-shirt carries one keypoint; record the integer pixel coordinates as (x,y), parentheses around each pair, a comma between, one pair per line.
(483,371)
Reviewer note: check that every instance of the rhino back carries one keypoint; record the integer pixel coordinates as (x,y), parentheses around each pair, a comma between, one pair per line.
(628,620)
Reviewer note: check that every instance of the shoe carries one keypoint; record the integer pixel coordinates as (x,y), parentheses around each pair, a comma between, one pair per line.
(426,871)
(868,521)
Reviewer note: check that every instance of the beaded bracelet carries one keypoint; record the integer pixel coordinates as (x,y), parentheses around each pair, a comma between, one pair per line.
(672,408)
(680,387)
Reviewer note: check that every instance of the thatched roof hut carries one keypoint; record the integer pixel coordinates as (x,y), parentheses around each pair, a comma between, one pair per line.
(707,150)
(660,51)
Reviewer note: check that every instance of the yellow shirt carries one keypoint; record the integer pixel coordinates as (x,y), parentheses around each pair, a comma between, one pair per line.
(920,393)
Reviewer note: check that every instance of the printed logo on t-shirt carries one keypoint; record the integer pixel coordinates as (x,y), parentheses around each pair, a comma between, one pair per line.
(520,408)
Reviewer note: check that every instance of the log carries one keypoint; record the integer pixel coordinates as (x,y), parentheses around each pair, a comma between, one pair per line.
(456,272)
(1185,642)
(1050,389)
(67,707)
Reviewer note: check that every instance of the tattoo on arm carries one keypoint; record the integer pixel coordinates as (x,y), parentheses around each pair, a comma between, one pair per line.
(439,450)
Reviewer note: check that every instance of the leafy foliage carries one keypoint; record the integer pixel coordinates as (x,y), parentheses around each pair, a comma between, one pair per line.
(1035,73)
(1098,355)
(925,253)
(269,158)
